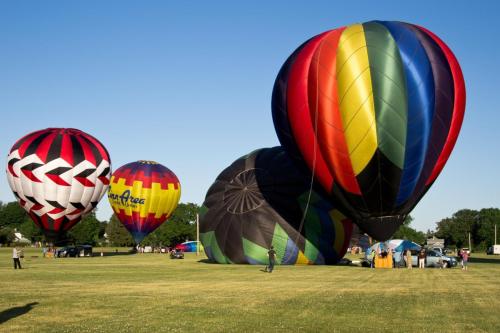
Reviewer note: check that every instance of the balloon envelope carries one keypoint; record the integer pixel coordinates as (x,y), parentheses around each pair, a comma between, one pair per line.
(143,195)
(259,201)
(373,110)
(58,175)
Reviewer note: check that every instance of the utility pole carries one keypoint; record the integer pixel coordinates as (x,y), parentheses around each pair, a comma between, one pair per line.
(495,234)
(470,247)
(197,234)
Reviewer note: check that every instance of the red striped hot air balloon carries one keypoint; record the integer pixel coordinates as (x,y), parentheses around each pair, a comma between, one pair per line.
(58,175)
(373,111)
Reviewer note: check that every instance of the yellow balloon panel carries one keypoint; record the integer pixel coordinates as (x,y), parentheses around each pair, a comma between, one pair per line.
(144,201)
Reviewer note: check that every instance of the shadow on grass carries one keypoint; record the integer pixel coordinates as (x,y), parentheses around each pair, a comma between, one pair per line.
(17,311)
(113,253)
(210,262)
(485,260)
(207,261)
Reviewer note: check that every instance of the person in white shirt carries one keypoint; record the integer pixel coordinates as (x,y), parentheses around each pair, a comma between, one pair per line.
(15,257)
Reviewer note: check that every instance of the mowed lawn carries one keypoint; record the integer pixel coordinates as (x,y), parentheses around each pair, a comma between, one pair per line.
(151,293)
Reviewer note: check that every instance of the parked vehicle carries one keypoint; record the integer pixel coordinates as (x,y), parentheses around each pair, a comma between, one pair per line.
(176,254)
(438,250)
(67,251)
(495,249)
(434,259)
(84,250)
(74,251)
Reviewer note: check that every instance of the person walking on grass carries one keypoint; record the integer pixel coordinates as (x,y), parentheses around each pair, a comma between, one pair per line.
(272,259)
(15,257)
(465,259)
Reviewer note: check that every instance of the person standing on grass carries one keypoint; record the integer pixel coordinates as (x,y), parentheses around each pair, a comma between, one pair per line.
(374,255)
(272,259)
(15,257)
(421,259)
(408,259)
(460,257)
(465,259)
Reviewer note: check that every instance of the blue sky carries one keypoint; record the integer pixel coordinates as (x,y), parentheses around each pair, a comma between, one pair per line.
(188,84)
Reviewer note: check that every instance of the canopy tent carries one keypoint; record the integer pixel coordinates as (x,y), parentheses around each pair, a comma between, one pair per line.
(398,245)
(189,246)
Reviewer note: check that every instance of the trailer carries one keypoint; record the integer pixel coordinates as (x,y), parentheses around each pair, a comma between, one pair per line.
(495,249)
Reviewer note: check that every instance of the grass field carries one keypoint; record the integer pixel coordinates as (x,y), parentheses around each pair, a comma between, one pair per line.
(151,293)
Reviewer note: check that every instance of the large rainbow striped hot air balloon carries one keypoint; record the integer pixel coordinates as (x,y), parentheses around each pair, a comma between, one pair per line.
(373,110)
(143,195)
(58,175)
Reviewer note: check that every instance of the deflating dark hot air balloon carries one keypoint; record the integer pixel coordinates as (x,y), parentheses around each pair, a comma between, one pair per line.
(143,195)
(259,201)
(58,175)
(373,110)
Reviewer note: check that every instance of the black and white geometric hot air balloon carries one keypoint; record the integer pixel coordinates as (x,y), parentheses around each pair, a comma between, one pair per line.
(58,175)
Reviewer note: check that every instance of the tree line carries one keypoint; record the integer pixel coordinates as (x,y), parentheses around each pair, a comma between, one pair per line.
(405,231)
(455,230)
(179,228)
(480,224)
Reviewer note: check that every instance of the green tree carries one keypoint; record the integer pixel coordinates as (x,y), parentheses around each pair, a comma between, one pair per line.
(102,232)
(407,232)
(30,231)
(485,228)
(181,226)
(6,235)
(87,231)
(117,234)
(479,224)
(408,220)
(455,230)
(12,215)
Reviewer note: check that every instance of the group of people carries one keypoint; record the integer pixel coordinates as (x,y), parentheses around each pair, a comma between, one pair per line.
(50,251)
(420,257)
(153,249)
(463,255)
(17,254)
(392,258)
